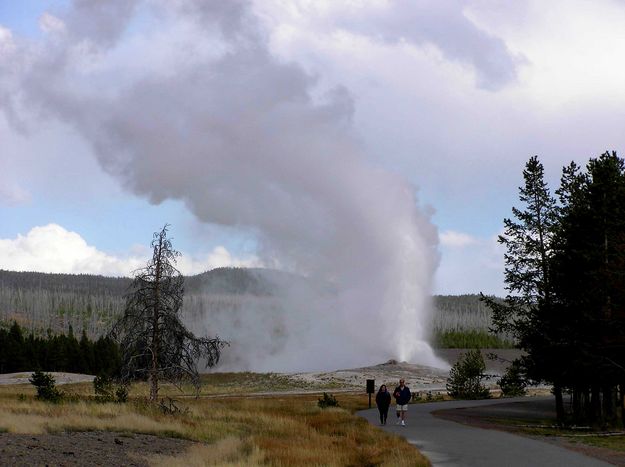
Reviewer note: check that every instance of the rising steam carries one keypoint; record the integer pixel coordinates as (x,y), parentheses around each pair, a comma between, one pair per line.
(184,100)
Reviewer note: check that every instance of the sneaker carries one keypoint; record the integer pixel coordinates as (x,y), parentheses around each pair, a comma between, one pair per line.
(402,423)
(399,422)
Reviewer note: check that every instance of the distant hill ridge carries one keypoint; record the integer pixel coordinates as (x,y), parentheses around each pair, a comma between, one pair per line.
(91,302)
(219,280)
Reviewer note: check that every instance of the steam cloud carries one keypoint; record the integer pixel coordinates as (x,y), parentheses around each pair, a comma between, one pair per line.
(184,100)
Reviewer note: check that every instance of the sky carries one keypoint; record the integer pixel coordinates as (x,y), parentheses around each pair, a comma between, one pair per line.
(120,116)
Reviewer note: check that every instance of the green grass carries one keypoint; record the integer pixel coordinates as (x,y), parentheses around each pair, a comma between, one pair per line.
(473,339)
(615,443)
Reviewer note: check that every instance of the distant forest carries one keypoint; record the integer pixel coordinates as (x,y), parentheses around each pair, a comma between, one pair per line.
(41,302)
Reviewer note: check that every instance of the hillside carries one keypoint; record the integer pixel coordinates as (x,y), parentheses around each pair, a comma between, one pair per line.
(41,301)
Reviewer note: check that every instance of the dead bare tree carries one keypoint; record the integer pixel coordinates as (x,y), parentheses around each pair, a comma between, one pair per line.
(154,342)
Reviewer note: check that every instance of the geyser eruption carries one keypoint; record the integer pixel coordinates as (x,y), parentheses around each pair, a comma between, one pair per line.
(184,100)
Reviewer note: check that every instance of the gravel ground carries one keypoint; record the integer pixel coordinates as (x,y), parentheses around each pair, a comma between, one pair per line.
(96,448)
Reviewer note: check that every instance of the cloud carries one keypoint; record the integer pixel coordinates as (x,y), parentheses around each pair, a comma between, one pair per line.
(452,239)
(470,265)
(54,249)
(423,24)
(12,194)
(51,248)
(50,24)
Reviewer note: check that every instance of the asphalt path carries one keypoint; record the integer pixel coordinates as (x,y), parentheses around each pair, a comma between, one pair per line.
(451,444)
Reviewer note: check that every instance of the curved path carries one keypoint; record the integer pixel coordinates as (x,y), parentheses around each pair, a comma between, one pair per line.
(451,444)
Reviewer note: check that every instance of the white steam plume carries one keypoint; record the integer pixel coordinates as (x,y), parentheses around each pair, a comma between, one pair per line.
(184,100)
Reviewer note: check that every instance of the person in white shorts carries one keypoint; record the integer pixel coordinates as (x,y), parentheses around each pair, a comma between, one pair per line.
(402,397)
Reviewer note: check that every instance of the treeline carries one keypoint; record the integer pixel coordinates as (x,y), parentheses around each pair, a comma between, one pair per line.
(42,302)
(20,352)
(465,322)
(565,271)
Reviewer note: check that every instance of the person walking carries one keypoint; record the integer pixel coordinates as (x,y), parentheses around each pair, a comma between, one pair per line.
(402,397)
(383,401)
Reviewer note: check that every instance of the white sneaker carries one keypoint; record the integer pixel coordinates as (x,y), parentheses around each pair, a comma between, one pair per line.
(398,422)
(402,423)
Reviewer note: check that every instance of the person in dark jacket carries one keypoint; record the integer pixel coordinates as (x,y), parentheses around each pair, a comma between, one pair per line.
(383,401)
(402,397)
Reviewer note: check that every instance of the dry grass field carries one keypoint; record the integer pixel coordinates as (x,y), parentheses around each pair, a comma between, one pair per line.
(278,430)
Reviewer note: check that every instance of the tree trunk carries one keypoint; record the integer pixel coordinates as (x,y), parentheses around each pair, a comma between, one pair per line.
(557,390)
(622,403)
(608,405)
(578,401)
(595,405)
(155,328)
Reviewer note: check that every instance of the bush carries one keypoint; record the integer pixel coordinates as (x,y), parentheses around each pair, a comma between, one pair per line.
(513,382)
(46,388)
(327,400)
(105,391)
(121,393)
(103,388)
(466,376)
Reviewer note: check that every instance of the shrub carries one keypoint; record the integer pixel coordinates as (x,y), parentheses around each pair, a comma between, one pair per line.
(45,385)
(327,400)
(466,376)
(121,393)
(105,391)
(513,382)
(103,388)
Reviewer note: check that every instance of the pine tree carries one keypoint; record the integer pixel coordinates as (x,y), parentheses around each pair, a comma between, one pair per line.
(589,274)
(466,376)
(528,239)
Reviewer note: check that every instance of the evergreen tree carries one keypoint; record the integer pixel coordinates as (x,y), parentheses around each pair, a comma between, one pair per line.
(589,274)
(88,355)
(528,239)
(466,376)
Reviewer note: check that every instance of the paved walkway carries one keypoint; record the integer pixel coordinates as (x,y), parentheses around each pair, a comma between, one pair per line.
(451,444)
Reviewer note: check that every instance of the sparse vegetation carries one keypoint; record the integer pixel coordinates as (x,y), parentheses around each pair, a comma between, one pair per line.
(278,430)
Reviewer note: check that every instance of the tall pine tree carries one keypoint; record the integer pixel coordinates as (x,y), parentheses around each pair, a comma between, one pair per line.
(528,239)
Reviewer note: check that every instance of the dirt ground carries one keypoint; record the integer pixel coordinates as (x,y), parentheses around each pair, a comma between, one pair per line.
(495,417)
(96,448)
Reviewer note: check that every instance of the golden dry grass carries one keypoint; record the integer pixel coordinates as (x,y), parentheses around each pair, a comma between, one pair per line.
(281,430)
